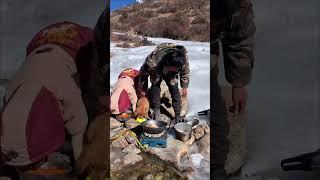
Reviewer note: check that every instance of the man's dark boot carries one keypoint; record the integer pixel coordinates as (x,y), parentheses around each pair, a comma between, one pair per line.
(156,114)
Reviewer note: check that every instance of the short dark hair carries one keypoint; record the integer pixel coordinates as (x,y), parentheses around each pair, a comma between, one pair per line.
(176,59)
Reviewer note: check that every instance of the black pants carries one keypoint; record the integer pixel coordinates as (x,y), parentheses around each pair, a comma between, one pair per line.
(219,124)
(154,95)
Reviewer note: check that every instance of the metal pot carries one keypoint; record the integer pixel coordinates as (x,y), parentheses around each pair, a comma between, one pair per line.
(154,127)
(183,131)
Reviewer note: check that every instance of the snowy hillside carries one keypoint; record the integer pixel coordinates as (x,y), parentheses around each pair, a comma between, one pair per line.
(198,53)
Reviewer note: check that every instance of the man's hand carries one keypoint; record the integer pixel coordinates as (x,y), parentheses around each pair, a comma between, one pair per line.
(184,91)
(239,98)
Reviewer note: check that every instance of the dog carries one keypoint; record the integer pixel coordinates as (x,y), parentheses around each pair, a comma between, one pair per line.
(142,109)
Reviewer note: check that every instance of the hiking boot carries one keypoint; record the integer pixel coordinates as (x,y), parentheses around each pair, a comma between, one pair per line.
(176,120)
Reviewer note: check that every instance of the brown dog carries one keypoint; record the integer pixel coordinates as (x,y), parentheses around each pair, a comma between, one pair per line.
(142,108)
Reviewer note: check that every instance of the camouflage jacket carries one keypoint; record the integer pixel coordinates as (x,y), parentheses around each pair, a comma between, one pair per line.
(236,32)
(153,66)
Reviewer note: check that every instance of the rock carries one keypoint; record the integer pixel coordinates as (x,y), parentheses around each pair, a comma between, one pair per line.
(205,127)
(132,158)
(198,132)
(121,142)
(131,148)
(116,131)
(131,123)
(191,140)
(149,177)
(116,159)
(172,154)
(131,140)
(204,144)
(185,165)
(114,123)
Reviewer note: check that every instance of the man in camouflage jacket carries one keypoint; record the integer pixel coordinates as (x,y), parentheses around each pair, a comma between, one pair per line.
(233,29)
(167,62)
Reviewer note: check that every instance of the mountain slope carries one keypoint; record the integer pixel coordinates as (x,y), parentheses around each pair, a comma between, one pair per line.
(174,19)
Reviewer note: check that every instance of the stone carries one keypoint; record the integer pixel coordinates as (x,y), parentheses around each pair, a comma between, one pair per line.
(114,123)
(117,131)
(131,148)
(121,142)
(149,177)
(131,123)
(204,144)
(205,127)
(131,140)
(116,159)
(132,158)
(198,132)
(191,140)
(172,154)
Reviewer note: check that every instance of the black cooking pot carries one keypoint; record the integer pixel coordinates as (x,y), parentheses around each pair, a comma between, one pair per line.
(154,127)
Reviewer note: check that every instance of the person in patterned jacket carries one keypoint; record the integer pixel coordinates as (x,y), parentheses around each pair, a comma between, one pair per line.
(168,62)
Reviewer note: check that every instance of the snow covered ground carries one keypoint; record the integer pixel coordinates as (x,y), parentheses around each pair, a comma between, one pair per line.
(198,53)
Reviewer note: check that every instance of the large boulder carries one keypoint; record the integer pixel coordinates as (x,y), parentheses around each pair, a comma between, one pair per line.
(175,154)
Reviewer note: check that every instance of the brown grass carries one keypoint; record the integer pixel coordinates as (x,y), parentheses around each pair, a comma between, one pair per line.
(128,41)
(175,19)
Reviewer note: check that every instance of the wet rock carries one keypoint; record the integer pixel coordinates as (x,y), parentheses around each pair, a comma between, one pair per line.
(204,144)
(131,123)
(198,132)
(121,142)
(114,123)
(131,148)
(132,158)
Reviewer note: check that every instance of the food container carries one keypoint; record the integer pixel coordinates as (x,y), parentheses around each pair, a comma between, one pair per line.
(154,127)
(183,131)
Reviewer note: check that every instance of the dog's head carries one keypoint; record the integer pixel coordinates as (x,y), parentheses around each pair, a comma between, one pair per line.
(142,108)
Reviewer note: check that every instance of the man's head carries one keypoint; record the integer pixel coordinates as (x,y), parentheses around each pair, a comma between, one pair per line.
(174,61)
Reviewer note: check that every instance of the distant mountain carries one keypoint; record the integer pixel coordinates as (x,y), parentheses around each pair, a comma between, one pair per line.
(174,19)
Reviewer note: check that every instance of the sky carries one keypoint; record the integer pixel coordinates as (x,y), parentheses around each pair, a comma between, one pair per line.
(116,4)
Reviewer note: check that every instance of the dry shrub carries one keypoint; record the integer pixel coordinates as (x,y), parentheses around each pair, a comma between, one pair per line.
(166,18)
(123,45)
